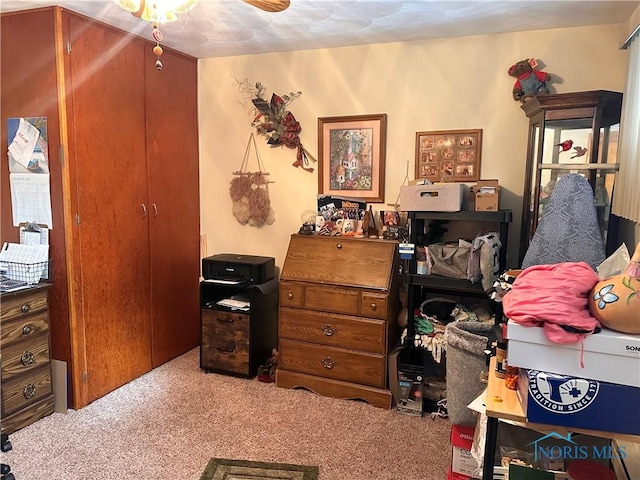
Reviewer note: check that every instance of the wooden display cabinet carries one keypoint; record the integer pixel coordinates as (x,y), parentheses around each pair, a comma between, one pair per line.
(571,133)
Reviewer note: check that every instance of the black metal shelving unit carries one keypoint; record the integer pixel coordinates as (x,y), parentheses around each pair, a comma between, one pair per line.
(416,284)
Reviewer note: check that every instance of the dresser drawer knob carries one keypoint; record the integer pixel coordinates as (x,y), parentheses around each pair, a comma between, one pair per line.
(27,358)
(290,296)
(26,330)
(225,319)
(329,330)
(373,306)
(338,246)
(328,363)
(25,308)
(29,391)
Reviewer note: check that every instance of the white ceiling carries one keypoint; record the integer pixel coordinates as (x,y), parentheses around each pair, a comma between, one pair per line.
(218,28)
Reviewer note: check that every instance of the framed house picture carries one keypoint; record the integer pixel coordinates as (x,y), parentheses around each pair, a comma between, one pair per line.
(448,155)
(351,153)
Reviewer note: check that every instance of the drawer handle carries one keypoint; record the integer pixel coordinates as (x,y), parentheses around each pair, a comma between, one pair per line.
(29,391)
(25,308)
(26,330)
(328,363)
(226,350)
(225,319)
(373,306)
(338,246)
(290,296)
(27,358)
(329,330)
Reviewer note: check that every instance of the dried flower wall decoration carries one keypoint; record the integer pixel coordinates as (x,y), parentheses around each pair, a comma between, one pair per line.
(275,122)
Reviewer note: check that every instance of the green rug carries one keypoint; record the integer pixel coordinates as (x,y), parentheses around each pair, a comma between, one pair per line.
(224,469)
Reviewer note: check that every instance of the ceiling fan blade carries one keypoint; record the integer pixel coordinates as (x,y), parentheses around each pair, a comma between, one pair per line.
(269,5)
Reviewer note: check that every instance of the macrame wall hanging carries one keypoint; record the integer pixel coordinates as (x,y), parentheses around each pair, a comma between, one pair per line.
(249,192)
(275,122)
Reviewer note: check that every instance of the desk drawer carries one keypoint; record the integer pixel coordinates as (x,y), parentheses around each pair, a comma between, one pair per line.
(225,341)
(332,329)
(24,356)
(23,390)
(332,299)
(19,306)
(333,362)
(291,294)
(23,328)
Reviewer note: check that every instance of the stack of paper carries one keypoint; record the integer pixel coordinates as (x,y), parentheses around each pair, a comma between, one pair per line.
(26,263)
(234,304)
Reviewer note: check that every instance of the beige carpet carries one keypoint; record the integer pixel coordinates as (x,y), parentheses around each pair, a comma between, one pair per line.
(169,423)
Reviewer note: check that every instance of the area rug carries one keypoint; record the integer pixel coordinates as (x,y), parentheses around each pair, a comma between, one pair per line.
(224,469)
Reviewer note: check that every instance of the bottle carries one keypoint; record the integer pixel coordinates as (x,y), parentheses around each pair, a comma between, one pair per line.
(501,358)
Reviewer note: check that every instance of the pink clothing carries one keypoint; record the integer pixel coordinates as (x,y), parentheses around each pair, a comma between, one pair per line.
(554,297)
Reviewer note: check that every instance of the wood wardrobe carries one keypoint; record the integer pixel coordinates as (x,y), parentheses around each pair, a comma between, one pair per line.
(123,160)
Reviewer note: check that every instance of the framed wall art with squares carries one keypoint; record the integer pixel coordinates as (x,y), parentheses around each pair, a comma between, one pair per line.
(351,153)
(448,155)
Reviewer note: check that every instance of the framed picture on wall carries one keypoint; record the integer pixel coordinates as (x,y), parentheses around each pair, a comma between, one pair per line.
(448,155)
(351,153)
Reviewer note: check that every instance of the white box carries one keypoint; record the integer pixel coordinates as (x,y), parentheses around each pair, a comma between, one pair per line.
(608,356)
(443,197)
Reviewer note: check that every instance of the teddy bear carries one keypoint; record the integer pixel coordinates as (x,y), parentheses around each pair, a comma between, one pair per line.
(529,81)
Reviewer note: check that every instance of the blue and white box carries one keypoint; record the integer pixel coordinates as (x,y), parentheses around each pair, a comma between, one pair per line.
(575,402)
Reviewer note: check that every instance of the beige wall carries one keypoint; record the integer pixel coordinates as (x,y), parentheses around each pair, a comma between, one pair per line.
(444,84)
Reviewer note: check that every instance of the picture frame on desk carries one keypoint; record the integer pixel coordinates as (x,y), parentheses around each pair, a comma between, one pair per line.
(351,153)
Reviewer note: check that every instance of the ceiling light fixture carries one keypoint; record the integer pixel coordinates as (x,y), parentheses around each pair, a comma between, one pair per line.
(157,12)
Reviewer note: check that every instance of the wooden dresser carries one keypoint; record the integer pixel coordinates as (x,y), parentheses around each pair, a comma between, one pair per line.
(27,393)
(337,316)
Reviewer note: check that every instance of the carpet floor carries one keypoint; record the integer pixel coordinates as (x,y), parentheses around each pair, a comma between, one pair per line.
(169,423)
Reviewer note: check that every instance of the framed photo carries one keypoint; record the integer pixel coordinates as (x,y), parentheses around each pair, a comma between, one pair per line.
(452,155)
(351,153)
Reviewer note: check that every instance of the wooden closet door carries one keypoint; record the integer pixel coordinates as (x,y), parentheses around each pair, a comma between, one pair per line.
(172,149)
(107,137)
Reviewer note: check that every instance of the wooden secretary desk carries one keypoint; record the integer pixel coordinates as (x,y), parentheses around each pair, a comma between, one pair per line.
(338,316)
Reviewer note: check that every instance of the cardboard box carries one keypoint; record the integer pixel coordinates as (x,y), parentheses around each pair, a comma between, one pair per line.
(577,402)
(463,465)
(608,356)
(487,195)
(440,197)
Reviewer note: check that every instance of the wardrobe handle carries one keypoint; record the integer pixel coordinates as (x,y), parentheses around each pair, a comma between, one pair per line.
(155,209)
(225,350)
(290,296)
(144,210)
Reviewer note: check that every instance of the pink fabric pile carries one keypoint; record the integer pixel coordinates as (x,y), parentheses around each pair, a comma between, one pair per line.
(554,297)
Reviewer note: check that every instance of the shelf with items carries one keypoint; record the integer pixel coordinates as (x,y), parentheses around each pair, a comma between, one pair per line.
(418,284)
(503,404)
